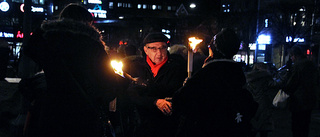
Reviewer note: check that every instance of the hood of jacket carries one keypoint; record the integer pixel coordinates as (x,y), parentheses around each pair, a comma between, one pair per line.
(71,27)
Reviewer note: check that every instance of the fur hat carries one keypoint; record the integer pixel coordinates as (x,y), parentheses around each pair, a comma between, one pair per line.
(155,37)
(227,42)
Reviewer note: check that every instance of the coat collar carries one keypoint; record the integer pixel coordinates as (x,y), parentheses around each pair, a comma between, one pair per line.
(217,60)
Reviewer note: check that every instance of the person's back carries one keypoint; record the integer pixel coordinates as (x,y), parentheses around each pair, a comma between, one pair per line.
(212,96)
(213,101)
(79,76)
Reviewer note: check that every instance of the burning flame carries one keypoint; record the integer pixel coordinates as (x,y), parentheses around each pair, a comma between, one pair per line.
(117,67)
(193,42)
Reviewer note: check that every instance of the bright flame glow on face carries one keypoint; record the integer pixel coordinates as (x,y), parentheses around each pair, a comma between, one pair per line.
(193,42)
(117,67)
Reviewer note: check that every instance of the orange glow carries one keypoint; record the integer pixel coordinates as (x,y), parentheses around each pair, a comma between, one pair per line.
(193,42)
(117,67)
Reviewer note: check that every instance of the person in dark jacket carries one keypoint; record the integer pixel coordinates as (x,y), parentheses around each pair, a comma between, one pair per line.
(213,102)
(263,88)
(80,79)
(162,74)
(4,58)
(301,87)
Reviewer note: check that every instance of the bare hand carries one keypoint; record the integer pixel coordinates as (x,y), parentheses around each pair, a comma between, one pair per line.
(164,106)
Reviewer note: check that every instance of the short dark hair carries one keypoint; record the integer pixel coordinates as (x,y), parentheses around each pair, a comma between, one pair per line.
(76,12)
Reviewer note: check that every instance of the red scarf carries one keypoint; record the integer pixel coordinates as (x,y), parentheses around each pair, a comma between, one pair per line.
(155,67)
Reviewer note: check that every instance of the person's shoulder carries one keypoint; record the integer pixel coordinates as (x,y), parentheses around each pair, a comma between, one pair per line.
(176,59)
(135,58)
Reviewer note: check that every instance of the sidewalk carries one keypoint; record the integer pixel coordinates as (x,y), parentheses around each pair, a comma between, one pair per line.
(282,121)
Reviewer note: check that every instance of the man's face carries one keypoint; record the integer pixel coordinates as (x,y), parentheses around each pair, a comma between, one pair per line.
(157,51)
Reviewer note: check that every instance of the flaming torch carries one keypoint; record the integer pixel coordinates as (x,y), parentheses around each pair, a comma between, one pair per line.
(193,42)
(117,68)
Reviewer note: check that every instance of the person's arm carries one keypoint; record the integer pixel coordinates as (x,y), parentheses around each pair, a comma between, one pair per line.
(293,81)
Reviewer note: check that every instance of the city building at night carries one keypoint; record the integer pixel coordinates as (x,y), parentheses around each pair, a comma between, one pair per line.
(267,28)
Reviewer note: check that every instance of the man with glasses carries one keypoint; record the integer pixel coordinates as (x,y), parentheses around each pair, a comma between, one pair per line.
(162,74)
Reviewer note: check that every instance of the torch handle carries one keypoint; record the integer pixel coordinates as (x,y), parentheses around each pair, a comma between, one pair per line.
(190,63)
(126,75)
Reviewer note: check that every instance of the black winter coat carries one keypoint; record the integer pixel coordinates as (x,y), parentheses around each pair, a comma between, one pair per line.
(79,77)
(169,79)
(205,103)
(302,85)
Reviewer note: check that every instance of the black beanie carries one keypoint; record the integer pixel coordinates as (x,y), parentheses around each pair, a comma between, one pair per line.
(155,37)
(227,42)
(76,12)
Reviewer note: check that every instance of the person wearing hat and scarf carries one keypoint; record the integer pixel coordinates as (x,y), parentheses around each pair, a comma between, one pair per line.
(213,102)
(162,74)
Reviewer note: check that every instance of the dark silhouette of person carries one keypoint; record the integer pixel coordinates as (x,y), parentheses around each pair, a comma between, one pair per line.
(301,87)
(4,58)
(263,87)
(80,79)
(213,102)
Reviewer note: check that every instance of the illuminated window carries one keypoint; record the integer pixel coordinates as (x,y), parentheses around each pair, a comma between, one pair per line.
(119,4)
(169,7)
(129,5)
(139,6)
(41,1)
(154,7)
(264,39)
(144,6)
(159,7)
(110,5)
(266,23)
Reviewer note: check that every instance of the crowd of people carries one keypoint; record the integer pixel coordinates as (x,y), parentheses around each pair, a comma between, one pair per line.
(76,86)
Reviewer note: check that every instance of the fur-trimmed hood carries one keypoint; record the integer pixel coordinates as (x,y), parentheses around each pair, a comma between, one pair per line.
(71,26)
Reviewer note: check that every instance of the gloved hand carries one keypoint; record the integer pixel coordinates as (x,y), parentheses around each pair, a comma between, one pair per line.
(164,106)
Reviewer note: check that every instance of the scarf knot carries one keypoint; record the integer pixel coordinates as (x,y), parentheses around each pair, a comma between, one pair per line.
(155,67)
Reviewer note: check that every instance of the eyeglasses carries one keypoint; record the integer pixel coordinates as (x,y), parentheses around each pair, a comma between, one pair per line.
(154,49)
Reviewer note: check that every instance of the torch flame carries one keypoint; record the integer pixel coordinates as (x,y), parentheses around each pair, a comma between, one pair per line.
(117,67)
(193,42)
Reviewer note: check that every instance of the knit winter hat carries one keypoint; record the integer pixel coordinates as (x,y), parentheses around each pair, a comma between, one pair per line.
(76,12)
(227,42)
(155,37)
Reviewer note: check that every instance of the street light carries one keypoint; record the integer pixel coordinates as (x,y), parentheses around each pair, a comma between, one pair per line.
(192,5)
